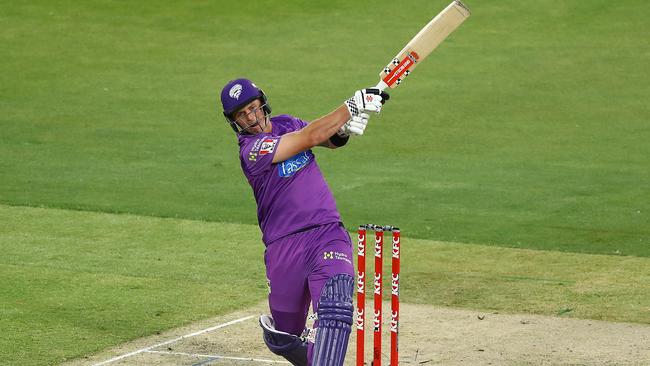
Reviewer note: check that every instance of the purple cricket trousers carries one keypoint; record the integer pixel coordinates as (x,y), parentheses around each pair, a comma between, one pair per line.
(297,267)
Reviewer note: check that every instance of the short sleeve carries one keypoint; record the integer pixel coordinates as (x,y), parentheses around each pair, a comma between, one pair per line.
(257,153)
(301,123)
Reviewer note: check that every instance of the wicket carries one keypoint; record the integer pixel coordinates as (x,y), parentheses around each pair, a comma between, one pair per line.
(361,293)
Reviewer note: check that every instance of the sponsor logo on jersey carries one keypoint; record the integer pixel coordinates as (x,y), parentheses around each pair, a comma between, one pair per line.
(290,166)
(255,149)
(332,255)
(268,145)
(327,255)
(256,145)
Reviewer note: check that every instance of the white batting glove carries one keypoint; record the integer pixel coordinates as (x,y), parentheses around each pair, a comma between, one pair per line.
(354,126)
(366,100)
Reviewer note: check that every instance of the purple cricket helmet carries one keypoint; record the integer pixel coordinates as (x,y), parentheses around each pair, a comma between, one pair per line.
(236,94)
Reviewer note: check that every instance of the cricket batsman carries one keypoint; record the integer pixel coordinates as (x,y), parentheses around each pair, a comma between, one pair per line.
(308,252)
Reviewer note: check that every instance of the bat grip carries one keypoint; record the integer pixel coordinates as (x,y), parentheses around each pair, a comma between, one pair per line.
(381,85)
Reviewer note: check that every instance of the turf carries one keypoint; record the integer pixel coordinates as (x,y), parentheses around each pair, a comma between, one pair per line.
(527,128)
(72,283)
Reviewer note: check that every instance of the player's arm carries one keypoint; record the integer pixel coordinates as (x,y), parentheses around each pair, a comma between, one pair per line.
(315,133)
(354,126)
(322,129)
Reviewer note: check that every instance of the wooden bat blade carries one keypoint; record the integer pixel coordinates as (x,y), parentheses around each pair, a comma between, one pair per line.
(420,46)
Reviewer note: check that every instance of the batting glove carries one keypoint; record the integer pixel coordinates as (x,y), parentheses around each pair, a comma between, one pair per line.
(354,126)
(366,100)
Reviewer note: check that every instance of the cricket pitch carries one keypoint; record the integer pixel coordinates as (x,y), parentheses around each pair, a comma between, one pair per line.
(428,336)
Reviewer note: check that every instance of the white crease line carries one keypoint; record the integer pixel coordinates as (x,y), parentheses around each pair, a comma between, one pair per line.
(173,340)
(218,357)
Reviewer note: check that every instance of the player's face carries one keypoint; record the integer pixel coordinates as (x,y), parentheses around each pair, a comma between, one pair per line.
(252,118)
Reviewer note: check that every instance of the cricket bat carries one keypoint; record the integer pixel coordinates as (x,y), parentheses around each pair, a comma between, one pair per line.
(423,44)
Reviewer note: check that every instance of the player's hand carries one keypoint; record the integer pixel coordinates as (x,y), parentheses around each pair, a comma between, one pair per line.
(355,125)
(366,100)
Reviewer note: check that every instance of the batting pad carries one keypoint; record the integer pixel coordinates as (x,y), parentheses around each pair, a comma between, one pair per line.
(335,315)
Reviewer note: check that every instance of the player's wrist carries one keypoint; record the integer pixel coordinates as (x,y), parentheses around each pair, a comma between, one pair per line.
(351,106)
(339,139)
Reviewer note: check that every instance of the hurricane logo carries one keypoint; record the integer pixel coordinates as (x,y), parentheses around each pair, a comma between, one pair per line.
(235,91)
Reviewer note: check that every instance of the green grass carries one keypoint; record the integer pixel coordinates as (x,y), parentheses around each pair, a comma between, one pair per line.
(527,128)
(73,283)
(590,286)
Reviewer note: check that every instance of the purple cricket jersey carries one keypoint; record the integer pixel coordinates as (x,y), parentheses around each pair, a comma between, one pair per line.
(291,195)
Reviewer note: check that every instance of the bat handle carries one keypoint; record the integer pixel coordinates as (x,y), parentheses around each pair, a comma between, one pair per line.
(381,85)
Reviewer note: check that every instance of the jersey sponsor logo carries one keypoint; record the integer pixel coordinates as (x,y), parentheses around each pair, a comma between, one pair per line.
(268,145)
(256,145)
(261,147)
(255,150)
(290,166)
(327,255)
